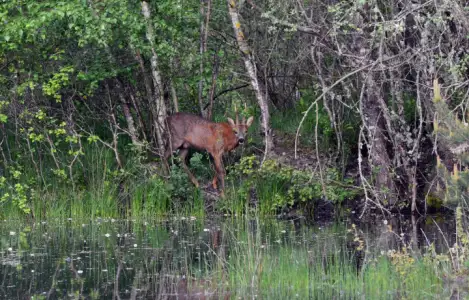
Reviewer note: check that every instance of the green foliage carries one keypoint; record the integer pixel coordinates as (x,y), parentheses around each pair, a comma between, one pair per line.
(278,186)
(199,163)
(180,184)
(14,191)
(3,116)
(58,80)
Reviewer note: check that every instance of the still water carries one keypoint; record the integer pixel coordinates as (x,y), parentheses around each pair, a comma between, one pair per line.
(192,258)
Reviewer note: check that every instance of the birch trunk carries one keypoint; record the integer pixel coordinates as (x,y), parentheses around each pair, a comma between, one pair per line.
(130,122)
(157,82)
(205,17)
(131,130)
(258,87)
(141,124)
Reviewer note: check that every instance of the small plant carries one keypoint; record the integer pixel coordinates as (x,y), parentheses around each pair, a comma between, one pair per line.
(278,187)
(201,168)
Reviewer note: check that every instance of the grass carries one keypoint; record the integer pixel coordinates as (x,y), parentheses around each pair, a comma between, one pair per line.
(327,270)
(101,190)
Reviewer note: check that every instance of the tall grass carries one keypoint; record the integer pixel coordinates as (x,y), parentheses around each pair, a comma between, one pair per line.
(100,189)
(326,270)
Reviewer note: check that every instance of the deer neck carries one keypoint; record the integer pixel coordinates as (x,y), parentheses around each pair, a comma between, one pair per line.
(230,140)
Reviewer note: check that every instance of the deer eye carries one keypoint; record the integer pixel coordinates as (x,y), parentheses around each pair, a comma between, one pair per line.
(235,130)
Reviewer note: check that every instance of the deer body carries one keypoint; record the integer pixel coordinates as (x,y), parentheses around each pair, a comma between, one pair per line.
(190,131)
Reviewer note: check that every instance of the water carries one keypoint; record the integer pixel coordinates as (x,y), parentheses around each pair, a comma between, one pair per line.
(188,258)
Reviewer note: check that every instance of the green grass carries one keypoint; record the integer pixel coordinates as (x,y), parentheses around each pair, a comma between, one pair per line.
(326,270)
(99,189)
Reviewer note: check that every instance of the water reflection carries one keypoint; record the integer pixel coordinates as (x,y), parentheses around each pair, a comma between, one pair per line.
(187,258)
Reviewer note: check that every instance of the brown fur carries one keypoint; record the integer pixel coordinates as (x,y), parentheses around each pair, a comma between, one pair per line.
(191,131)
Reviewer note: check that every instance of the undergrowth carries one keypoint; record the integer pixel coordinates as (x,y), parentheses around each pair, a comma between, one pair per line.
(99,189)
(273,187)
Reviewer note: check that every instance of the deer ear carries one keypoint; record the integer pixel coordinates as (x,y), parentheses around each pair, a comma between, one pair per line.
(231,122)
(249,122)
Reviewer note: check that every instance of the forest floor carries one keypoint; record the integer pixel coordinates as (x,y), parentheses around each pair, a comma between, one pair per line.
(284,152)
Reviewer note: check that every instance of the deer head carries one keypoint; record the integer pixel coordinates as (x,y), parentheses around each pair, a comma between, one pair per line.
(240,128)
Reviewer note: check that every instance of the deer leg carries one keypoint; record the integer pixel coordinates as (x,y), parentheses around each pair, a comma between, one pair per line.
(214,181)
(183,154)
(220,173)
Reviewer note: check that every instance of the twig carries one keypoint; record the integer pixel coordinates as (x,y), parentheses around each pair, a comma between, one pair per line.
(322,95)
(227,91)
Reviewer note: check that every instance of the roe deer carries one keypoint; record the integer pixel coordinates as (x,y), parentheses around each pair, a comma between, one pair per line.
(190,131)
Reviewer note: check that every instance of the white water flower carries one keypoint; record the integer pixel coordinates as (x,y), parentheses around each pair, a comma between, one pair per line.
(135,245)
(12,233)
(107,235)
(80,271)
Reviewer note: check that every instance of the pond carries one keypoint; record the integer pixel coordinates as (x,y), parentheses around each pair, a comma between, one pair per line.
(226,258)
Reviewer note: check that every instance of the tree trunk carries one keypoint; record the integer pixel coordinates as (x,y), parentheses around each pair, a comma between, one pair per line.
(130,122)
(113,126)
(132,131)
(205,19)
(372,118)
(157,82)
(141,124)
(259,88)
(216,65)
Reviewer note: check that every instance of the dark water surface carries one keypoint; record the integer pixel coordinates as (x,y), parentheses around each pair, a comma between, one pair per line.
(184,258)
